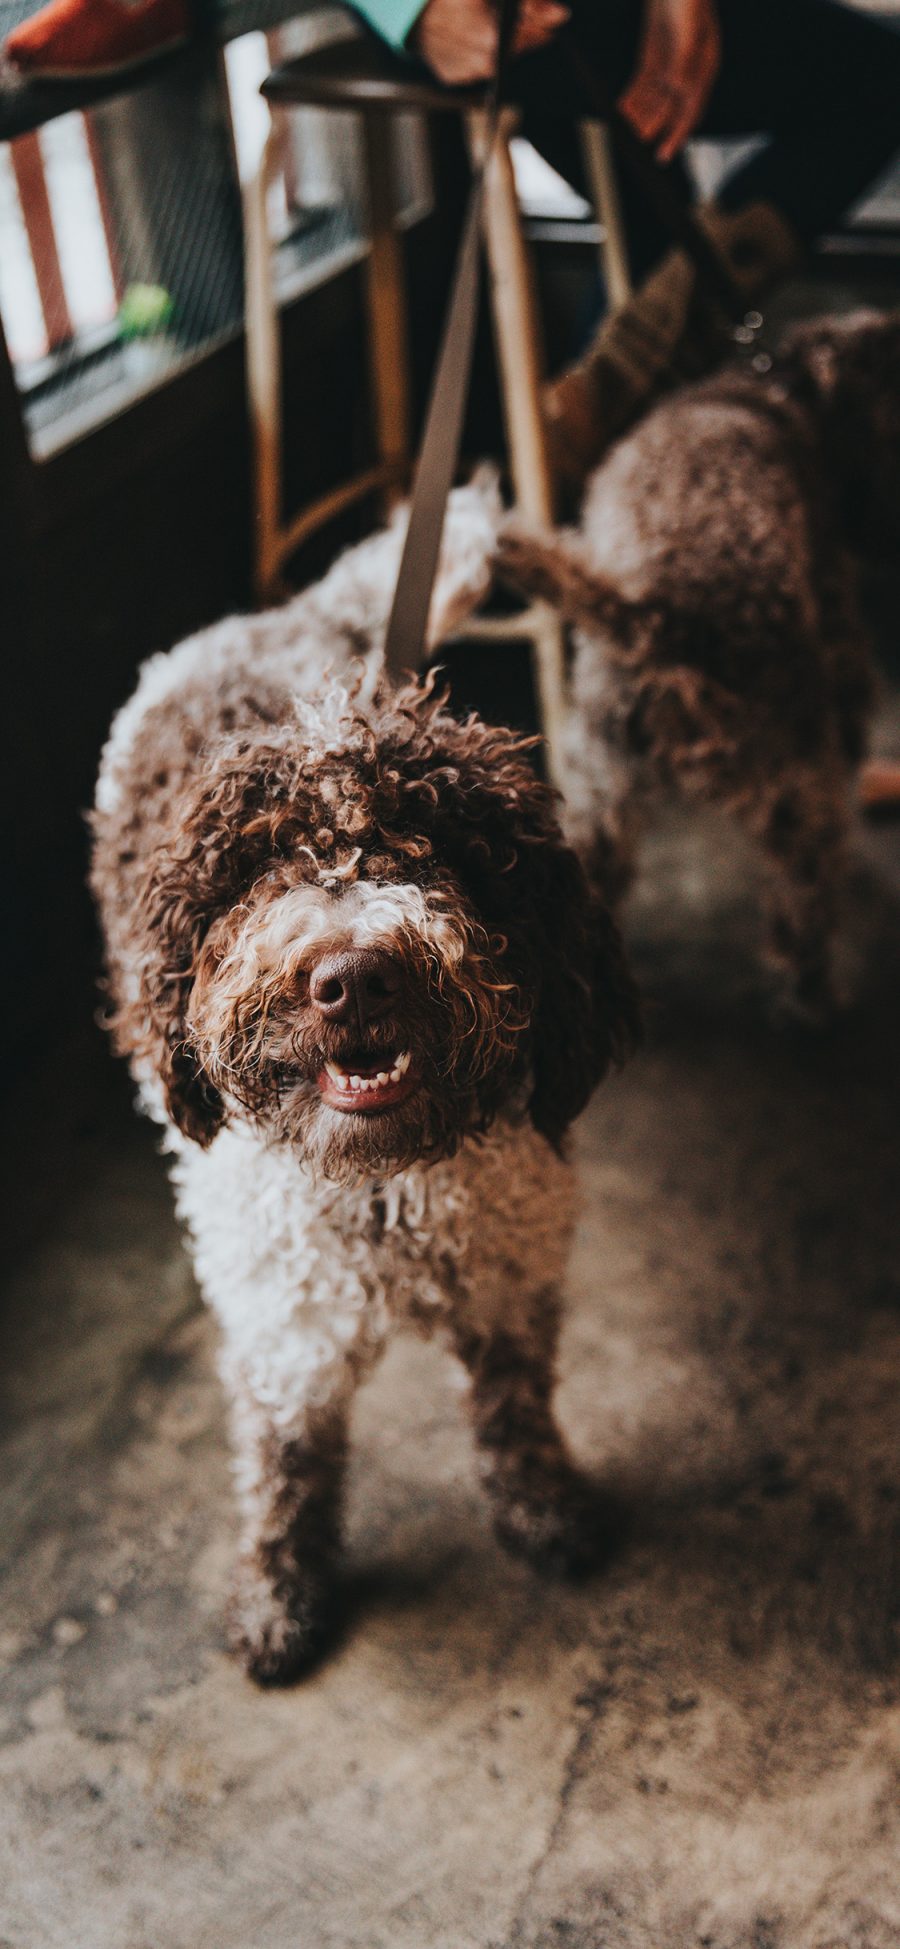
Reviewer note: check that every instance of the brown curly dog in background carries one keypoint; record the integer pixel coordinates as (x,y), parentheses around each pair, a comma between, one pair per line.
(720,648)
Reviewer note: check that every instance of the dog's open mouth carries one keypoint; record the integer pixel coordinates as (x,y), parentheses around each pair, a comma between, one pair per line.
(366,1081)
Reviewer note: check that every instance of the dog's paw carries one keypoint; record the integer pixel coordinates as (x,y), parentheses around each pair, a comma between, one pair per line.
(278,1635)
(564,1526)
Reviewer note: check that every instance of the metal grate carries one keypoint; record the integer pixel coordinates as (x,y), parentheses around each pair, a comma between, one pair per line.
(120,228)
(120,245)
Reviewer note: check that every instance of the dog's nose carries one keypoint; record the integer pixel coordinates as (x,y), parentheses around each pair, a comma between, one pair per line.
(356,986)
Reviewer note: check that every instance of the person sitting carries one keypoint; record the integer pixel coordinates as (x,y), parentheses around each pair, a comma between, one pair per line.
(815,82)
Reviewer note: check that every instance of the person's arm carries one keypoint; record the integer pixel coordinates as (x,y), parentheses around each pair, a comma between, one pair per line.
(677,67)
(457,39)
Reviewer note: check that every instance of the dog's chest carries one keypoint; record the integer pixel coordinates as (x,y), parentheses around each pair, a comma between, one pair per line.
(474,1230)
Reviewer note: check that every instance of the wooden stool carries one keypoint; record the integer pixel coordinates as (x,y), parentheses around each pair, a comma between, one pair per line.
(362,76)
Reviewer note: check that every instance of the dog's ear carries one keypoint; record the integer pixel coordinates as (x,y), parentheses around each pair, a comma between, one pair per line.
(587,1015)
(187,887)
(489,816)
(249,807)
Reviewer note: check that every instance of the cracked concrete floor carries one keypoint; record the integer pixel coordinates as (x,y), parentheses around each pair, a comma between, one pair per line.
(702,1748)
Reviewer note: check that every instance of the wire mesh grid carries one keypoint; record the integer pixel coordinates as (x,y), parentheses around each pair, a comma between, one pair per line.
(120,228)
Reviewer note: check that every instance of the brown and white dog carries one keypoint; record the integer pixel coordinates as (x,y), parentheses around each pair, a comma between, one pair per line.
(362,980)
(720,648)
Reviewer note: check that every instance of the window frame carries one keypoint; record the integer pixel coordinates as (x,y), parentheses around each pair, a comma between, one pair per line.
(198,72)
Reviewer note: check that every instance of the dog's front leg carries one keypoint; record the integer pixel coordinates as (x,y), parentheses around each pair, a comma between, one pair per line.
(290,1483)
(544,1509)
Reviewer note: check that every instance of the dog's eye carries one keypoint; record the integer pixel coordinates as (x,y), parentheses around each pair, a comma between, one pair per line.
(300,984)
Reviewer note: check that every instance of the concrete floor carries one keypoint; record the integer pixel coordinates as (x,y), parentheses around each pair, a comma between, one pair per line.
(703,1747)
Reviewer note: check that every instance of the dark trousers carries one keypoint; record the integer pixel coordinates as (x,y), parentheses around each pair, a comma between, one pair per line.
(819,82)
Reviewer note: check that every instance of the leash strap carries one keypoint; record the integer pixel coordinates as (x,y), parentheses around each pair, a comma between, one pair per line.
(439,452)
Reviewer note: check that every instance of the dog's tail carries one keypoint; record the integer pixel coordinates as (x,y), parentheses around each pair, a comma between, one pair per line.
(554,567)
(680,716)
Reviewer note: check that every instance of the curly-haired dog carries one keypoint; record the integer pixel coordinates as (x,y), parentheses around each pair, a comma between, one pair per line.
(362,979)
(721,649)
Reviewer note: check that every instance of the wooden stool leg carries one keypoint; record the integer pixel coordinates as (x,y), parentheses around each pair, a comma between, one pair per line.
(596,148)
(386,301)
(263,376)
(519,360)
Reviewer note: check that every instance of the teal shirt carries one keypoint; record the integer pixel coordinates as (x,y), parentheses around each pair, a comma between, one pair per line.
(392,19)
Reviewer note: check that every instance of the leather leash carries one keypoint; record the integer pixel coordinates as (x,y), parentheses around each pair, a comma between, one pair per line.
(438,455)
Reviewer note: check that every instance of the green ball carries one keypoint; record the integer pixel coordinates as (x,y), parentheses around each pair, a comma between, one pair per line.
(146,310)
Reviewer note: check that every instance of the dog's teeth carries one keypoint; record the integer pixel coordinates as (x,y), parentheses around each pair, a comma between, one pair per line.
(345,1080)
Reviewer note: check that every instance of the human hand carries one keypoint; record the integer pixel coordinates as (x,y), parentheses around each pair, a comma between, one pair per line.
(458,38)
(677,66)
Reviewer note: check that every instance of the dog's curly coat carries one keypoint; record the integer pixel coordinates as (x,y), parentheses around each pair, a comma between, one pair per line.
(721,649)
(302,887)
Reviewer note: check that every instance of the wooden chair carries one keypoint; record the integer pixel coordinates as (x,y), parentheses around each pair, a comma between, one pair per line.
(361,76)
